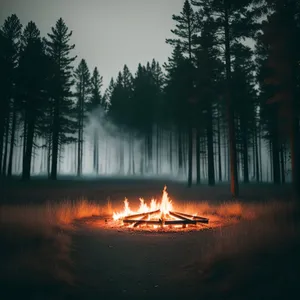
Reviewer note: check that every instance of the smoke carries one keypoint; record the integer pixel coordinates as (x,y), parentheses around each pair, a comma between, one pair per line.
(110,149)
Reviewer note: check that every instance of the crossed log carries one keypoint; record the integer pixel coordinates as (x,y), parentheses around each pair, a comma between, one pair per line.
(182,219)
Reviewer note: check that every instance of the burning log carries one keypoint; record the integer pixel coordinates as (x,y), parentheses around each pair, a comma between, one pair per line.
(176,215)
(141,221)
(157,214)
(196,218)
(150,222)
(142,214)
(180,222)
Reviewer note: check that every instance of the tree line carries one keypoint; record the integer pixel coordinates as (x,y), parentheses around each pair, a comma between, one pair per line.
(216,100)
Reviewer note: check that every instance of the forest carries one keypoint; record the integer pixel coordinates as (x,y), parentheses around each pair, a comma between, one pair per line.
(224,107)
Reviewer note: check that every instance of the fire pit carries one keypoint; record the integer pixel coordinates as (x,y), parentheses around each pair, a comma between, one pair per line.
(157,215)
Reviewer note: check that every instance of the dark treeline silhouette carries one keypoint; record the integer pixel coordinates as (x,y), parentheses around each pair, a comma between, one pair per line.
(209,112)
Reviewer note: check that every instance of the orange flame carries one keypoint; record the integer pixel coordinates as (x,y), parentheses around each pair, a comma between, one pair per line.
(164,206)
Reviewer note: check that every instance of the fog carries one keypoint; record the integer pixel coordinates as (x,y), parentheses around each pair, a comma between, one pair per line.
(123,152)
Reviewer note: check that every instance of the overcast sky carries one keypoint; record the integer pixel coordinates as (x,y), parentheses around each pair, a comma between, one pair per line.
(107,33)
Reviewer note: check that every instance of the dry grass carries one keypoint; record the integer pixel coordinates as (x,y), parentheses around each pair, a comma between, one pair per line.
(53,214)
(262,227)
(65,212)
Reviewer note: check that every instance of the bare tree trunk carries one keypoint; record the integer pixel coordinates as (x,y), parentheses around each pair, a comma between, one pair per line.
(106,155)
(2,130)
(55,140)
(230,113)
(180,152)
(210,148)
(133,163)
(259,151)
(274,144)
(157,149)
(256,154)
(49,155)
(271,161)
(4,164)
(28,153)
(190,156)
(219,145)
(282,150)
(198,150)
(150,154)
(171,152)
(245,151)
(226,157)
(78,150)
(12,140)
(142,159)
(96,153)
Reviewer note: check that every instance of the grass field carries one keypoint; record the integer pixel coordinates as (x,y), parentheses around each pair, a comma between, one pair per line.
(46,255)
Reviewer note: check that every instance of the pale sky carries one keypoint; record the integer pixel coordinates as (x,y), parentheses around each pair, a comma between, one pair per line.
(107,33)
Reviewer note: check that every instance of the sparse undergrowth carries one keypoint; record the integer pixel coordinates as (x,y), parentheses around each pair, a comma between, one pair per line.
(65,212)
(228,257)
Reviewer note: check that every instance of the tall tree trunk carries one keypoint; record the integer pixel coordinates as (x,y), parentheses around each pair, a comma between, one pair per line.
(190,156)
(245,151)
(49,154)
(271,161)
(275,158)
(28,153)
(150,154)
(129,155)
(106,156)
(226,156)
(282,151)
(24,135)
(78,150)
(12,140)
(210,147)
(142,159)
(256,154)
(132,150)
(4,164)
(259,151)
(184,152)
(230,113)
(275,147)
(198,150)
(171,152)
(121,155)
(2,130)
(96,153)
(157,149)
(219,146)
(55,141)
(81,151)
(180,152)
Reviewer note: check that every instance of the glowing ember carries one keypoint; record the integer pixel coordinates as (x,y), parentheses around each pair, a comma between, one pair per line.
(157,214)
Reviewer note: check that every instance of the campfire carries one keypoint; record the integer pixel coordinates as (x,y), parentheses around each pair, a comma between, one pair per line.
(157,215)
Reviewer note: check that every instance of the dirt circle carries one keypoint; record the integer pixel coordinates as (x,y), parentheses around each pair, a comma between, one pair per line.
(107,223)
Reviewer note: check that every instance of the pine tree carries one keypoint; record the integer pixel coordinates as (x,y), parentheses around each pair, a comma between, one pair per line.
(5,82)
(209,71)
(108,93)
(10,32)
(282,62)
(58,48)
(244,98)
(96,102)
(176,91)
(32,89)
(186,30)
(83,90)
(234,20)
